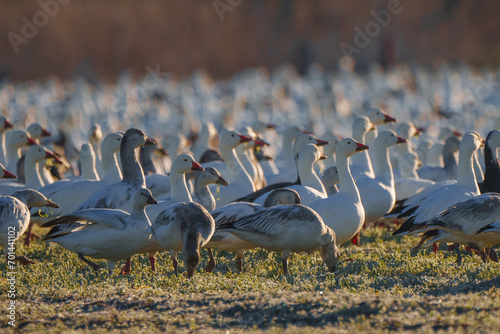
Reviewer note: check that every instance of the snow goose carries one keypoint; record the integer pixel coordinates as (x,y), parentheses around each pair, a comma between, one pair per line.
(184,227)
(330,179)
(449,171)
(15,141)
(286,229)
(15,217)
(311,188)
(95,137)
(240,183)
(361,163)
(37,132)
(202,193)
(376,117)
(87,162)
(108,233)
(343,212)
(246,155)
(377,194)
(179,192)
(491,181)
(470,221)
(435,199)
(222,240)
(4,126)
(406,130)
(119,195)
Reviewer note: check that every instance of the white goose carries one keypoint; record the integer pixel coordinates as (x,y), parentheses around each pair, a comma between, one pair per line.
(87,162)
(15,217)
(286,229)
(361,163)
(311,188)
(377,194)
(37,132)
(16,140)
(184,227)
(343,212)
(472,221)
(434,199)
(108,234)
(4,126)
(330,179)
(222,240)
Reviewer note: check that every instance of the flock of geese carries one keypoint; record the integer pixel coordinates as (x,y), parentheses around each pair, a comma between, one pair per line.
(271,186)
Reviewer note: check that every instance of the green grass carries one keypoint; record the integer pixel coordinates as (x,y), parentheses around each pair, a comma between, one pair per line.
(381,286)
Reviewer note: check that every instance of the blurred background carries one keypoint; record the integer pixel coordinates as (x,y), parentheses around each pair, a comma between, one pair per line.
(99,39)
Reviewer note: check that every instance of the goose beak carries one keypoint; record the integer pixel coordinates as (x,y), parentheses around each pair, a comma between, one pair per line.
(196,167)
(245,139)
(31,142)
(323,157)
(49,155)
(151,201)
(420,131)
(307,132)
(46,133)
(483,142)
(320,142)
(361,147)
(221,181)
(7,125)
(271,126)
(457,134)
(401,140)
(51,204)
(373,128)
(57,161)
(260,142)
(389,119)
(8,175)
(150,141)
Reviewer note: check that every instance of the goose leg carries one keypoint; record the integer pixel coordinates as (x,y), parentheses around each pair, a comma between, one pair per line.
(27,239)
(459,256)
(211,263)
(239,260)
(356,241)
(90,263)
(484,256)
(493,255)
(152,261)
(435,248)
(284,261)
(173,255)
(126,268)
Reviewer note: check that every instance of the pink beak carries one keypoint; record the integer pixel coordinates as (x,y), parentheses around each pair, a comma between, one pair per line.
(31,142)
(49,155)
(196,167)
(401,140)
(389,119)
(7,125)
(361,147)
(8,175)
(46,133)
(320,142)
(245,139)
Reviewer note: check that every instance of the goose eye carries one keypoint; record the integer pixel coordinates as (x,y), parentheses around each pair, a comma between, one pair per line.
(348,142)
(185,159)
(232,135)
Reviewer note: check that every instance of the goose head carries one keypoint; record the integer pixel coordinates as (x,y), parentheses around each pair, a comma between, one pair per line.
(36,131)
(333,142)
(330,255)
(185,163)
(377,117)
(330,176)
(210,176)
(18,139)
(493,139)
(143,197)
(306,139)
(5,174)
(282,196)
(4,124)
(451,145)
(231,139)
(95,133)
(348,146)
(33,198)
(310,154)
(135,138)
(387,139)
(406,130)
(37,153)
(361,126)
(111,143)
(471,142)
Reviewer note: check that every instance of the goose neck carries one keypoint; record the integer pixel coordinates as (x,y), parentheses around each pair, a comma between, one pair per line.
(382,165)
(132,170)
(204,195)
(346,182)
(308,176)
(466,175)
(32,176)
(178,187)
(492,167)
(110,167)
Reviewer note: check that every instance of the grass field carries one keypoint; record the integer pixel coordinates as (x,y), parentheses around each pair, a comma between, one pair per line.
(379,287)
